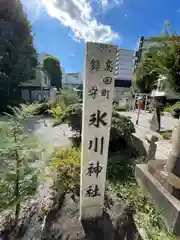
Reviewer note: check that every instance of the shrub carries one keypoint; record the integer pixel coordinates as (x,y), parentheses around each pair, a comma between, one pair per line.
(30,109)
(120,108)
(66,165)
(68,96)
(36,108)
(176,110)
(57,113)
(167,109)
(176,105)
(73,116)
(121,126)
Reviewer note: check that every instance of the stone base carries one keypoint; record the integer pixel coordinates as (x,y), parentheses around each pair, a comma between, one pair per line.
(164,203)
(157,169)
(116,223)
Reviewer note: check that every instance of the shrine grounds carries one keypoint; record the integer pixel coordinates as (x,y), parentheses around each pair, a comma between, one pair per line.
(45,209)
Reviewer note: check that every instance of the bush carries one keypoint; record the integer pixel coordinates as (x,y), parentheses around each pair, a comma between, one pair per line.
(120,108)
(57,113)
(73,116)
(36,108)
(121,126)
(66,165)
(68,96)
(176,110)
(167,109)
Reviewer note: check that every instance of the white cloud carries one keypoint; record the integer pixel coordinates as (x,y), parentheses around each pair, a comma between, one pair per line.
(110,3)
(78,16)
(104,3)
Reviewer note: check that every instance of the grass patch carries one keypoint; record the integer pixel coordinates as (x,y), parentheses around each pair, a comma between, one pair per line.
(167,135)
(122,182)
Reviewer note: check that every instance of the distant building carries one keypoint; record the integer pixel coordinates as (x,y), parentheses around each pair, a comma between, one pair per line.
(144,44)
(38,88)
(72,80)
(124,73)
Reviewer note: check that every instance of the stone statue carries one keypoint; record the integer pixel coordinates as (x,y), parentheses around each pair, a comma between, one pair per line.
(173,162)
(156,119)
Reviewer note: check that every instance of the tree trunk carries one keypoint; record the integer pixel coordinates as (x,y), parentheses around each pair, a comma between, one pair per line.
(17,194)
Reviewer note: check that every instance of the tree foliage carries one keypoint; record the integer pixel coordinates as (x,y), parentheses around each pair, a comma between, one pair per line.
(52,66)
(168,62)
(18,55)
(161,60)
(145,77)
(19,172)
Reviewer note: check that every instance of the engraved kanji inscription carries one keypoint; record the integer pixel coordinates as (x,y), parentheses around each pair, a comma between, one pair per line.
(105,93)
(98,118)
(94,169)
(93,191)
(107,80)
(93,92)
(108,66)
(97,144)
(95,65)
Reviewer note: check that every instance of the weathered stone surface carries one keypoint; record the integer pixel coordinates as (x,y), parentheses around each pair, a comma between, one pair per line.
(156,119)
(164,203)
(116,223)
(98,94)
(173,162)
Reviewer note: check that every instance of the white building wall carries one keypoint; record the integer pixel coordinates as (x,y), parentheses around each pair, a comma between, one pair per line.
(124,66)
(124,74)
(71,80)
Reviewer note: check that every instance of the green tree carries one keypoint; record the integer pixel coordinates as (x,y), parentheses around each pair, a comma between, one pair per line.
(18,55)
(167,61)
(52,66)
(19,157)
(146,75)
(161,60)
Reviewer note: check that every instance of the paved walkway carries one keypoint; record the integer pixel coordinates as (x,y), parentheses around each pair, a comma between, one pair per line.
(143,129)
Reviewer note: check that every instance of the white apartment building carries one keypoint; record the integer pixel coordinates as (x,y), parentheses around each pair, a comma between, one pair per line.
(124,74)
(72,80)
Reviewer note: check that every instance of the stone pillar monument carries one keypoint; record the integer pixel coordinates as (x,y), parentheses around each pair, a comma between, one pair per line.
(97,111)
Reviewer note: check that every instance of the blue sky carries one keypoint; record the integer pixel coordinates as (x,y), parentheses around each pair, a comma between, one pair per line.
(61,27)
